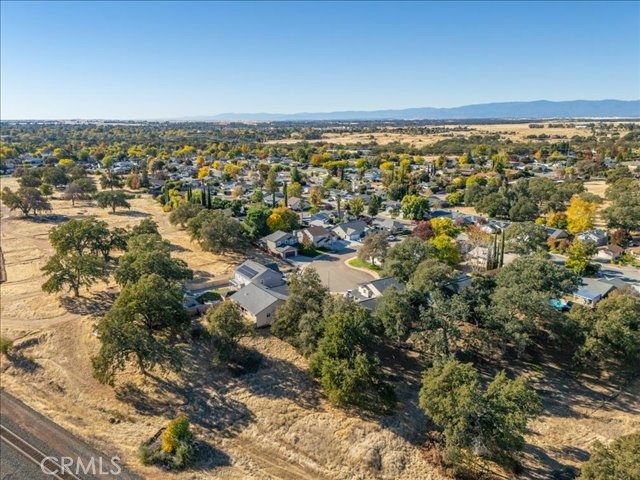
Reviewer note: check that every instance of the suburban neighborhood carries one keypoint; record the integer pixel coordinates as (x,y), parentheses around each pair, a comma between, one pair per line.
(320,240)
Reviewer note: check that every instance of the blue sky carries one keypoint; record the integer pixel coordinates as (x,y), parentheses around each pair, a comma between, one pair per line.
(167,60)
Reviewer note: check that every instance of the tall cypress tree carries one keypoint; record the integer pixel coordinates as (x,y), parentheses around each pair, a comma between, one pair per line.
(286,194)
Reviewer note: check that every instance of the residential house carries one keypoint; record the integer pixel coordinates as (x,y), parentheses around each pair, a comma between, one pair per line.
(609,252)
(634,252)
(296,204)
(478,256)
(259,303)
(556,233)
(388,225)
(368,293)
(591,291)
(30,161)
(319,236)
(320,219)
(352,231)
(599,237)
(281,244)
(392,206)
(253,272)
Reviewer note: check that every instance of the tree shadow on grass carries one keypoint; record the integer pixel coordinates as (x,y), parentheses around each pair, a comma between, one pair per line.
(23,362)
(543,467)
(277,379)
(96,305)
(208,457)
(130,213)
(197,393)
(54,218)
(179,248)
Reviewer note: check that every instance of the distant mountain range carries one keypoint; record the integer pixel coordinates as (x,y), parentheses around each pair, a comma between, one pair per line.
(540,109)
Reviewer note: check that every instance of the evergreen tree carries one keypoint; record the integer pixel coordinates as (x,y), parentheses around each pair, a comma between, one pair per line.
(286,194)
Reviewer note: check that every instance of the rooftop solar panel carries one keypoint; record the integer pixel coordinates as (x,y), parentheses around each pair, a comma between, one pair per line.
(247,271)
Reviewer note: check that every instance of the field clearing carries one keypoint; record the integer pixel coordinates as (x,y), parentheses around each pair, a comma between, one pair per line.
(598,187)
(270,423)
(510,131)
(26,249)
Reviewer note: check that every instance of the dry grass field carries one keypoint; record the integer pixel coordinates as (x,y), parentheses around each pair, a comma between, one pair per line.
(271,422)
(508,131)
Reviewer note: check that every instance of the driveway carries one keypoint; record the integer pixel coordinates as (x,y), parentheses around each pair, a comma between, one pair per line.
(335,274)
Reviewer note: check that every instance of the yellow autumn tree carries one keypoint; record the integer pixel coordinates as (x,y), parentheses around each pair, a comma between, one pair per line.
(203,172)
(231,170)
(580,215)
(282,218)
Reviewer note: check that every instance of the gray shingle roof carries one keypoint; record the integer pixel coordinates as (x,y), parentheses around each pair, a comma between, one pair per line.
(254,298)
(275,236)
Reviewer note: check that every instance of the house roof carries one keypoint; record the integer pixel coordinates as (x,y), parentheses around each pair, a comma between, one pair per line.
(556,232)
(354,226)
(615,249)
(275,236)
(592,288)
(381,284)
(316,231)
(593,234)
(254,298)
(253,270)
(387,222)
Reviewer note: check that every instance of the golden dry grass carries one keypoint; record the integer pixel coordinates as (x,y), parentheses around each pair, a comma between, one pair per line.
(508,131)
(271,423)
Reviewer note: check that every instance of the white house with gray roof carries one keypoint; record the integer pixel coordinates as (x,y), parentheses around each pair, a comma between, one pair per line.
(254,272)
(259,303)
(353,230)
(368,293)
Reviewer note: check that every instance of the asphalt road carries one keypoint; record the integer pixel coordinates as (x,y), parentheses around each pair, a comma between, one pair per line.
(335,274)
(33,447)
(625,273)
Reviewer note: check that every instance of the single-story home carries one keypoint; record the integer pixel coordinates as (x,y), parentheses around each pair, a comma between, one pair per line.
(296,204)
(634,252)
(591,291)
(353,230)
(320,219)
(389,225)
(368,293)
(556,233)
(259,303)
(609,252)
(599,237)
(254,272)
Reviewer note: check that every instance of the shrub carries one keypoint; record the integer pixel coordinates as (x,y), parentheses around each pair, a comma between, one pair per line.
(212,296)
(145,455)
(6,345)
(621,459)
(176,433)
